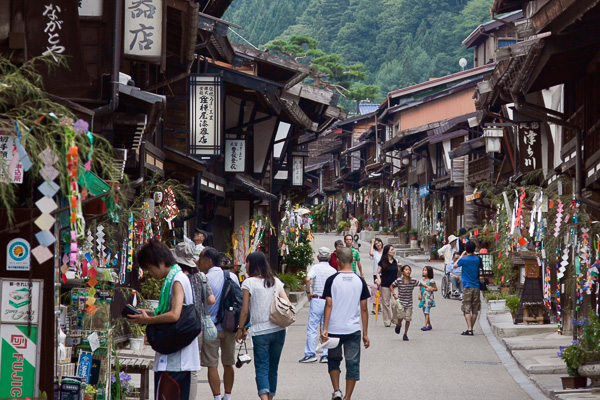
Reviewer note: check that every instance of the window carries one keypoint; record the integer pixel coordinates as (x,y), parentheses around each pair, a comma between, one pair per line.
(439,162)
(506,42)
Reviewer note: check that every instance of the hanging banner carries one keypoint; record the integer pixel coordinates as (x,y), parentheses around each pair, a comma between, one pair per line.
(12,168)
(52,27)
(143,32)
(424,190)
(18,361)
(235,155)
(18,253)
(20,302)
(298,171)
(530,146)
(206,104)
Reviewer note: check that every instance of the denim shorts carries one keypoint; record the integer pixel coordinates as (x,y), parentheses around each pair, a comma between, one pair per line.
(351,344)
(426,310)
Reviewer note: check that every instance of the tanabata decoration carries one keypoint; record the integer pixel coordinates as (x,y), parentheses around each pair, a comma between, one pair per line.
(559,212)
(46,205)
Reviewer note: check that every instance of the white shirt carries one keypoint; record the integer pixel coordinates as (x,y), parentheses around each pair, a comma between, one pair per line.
(318,274)
(376,257)
(197,250)
(188,358)
(216,279)
(448,252)
(260,305)
(346,290)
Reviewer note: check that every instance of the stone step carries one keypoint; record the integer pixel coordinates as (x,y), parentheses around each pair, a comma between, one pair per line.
(542,361)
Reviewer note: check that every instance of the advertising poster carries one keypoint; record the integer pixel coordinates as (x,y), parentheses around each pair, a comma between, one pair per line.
(20,302)
(18,255)
(18,361)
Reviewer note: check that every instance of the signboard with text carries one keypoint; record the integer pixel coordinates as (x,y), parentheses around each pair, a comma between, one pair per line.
(206,103)
(20,301)
(235,155)
(143,32)
(10,158)
(18,255)
(530,146)
(298,171)
(18,361)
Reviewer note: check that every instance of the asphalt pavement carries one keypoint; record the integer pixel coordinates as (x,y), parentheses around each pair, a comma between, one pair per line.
(436,364)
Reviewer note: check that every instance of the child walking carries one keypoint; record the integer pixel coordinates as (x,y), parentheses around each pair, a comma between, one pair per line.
(427,301)
(405,285)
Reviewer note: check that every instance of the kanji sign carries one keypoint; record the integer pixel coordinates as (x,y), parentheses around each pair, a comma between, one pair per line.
(235,155)
(206,103)
(10,160)
(20,301)
(143,33)
(298,171)
(530,146)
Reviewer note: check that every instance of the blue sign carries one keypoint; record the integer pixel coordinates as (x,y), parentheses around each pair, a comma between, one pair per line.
(424,190)
(84,366)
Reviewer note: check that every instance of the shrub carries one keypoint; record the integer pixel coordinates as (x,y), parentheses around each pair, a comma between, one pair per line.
(512,302)
(300,256)
(290,281)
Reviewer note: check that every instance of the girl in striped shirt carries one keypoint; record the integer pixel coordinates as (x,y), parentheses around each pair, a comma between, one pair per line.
(405,285)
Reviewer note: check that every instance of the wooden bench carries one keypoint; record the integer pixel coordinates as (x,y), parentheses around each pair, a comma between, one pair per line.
(140,366)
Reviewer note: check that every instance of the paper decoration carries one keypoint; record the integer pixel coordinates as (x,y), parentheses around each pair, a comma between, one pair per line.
(45,238)
(91,310)
(45,222)
(522,241)
(90,301)
(94,341)
(48,188)
(93,282)
(46,204)
(41,254)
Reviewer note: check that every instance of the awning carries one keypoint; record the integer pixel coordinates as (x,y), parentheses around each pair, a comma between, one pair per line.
(334,148)
(253,186)
(447,130)
(181,163)
(354,148)
(316,166)
(316,193)
(467,147)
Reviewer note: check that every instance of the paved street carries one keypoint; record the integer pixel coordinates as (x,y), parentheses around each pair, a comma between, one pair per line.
(438,364)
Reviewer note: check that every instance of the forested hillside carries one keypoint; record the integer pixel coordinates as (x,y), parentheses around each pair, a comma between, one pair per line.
(401,42)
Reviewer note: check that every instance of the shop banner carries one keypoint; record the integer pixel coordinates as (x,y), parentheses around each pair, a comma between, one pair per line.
(11,160)
(298,171)
(530,146)
(18,253)
(20,302)
(235,155)
(143,33)
(206,104)
(18,355)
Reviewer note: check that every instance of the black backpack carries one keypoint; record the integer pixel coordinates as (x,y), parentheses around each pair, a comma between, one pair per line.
(230,305)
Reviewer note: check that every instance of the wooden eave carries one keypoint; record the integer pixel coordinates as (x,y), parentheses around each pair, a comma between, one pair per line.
(503,6)
(557,15)
(215,8)
(182,29)
(315,94)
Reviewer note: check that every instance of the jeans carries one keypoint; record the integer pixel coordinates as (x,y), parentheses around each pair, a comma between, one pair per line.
(456,282)
(351,344)
(267,352)
(315,317)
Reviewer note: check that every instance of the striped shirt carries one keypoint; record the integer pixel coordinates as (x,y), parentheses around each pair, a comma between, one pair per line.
(318,274)
(405,290)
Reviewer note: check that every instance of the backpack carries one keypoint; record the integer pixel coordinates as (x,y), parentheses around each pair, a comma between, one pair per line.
(230,305)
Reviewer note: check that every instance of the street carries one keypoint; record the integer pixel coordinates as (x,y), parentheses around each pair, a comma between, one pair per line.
(437,364)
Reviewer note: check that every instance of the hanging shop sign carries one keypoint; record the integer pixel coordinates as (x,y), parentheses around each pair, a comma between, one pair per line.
(53,28)
(144,28)
(298,171)
(18,361)
(90,8)
(424,190)
(530,146)
(9,157)
(20,301)
(206,104)
(235,155)
(18,255)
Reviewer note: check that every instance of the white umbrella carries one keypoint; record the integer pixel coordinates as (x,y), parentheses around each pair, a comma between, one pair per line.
(303,211)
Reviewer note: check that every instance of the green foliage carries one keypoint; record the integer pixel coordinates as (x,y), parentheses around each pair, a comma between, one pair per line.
(587,348)
(300,256)
(342,226)
(290,281)
(318,214)
(136,330)
(512,302)
(151,287)
(403,229)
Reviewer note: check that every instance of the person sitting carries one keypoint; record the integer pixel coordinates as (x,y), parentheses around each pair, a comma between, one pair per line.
(455,276)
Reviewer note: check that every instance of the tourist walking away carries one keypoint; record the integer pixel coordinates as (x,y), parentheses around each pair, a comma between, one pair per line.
(405,285)
(354,229)
(268,338)
(449,249)
(455,276)
(387,273)
(315,283)
(346,307)
(333,260)
(199,238)
(224,285)
(172,372)
(203,296)
(426,296)
(471,303)
(375,253)
(356,265)
(463,238)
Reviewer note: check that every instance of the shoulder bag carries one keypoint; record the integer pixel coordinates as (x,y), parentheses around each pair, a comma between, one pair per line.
(172,337)
(209,330)
(282,312)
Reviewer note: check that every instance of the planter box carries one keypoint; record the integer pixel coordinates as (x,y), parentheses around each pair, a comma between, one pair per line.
(136,343)
(573,382)
(497,305)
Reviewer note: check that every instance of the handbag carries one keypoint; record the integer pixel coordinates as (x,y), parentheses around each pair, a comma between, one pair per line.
(399,305)
(209,330)
(282,312)
(172,337)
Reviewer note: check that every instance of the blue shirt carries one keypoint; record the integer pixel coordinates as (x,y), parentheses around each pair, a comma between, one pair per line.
(470,271)
(216,280)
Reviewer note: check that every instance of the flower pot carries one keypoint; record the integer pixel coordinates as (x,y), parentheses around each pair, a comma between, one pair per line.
(497,305)
(573,382)
(505,290)
(403,237)
(152,304)
(136,343)
(592,371)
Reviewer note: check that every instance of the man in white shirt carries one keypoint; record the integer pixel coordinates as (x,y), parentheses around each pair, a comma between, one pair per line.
(317,275)
(199,238)
(209,355)
(346,297)
(448,250)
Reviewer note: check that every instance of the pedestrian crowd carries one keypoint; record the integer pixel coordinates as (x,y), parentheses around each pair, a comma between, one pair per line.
(205,312)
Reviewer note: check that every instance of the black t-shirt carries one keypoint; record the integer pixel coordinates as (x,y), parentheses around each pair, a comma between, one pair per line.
(388,275)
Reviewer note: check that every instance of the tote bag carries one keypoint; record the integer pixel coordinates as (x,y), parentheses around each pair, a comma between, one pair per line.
(282,312)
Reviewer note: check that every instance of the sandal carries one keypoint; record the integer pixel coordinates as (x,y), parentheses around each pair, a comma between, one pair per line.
(467,333)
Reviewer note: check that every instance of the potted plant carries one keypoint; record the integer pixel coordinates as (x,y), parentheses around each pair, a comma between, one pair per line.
(150,290)
(136,336)
(342,226)
(512,302)
(434,255)
(403,234)
(90,392)
(384,231)
(299,257)
(589,340)
(496,301)
(413,234)
(573,356)
(375,224)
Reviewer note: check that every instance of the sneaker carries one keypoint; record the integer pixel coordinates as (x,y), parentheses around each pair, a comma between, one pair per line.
(323,360)
(308,359)
(337,395)
(455,293)
(461,296)
(424,328)
(387,325)
(397,329)
(429,327)
(405,337)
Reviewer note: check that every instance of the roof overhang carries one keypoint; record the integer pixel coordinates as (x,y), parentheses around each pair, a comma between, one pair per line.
(253,186)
